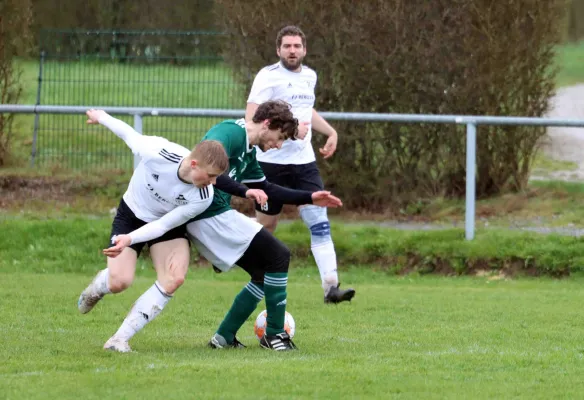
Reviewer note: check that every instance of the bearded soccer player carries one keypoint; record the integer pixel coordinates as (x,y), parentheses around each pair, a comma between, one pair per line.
(294,164)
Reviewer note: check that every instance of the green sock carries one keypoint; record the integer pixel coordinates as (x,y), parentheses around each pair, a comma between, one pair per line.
(275,290)
(244,304)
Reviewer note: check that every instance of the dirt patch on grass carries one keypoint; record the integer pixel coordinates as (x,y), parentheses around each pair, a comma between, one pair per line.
(40,193)
(17,190)
(492,269)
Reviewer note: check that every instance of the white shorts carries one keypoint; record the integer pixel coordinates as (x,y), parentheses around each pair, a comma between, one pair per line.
(224,238)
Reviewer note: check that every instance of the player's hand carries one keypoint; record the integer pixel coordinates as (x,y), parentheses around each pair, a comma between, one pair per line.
(302,130)
(93,116)
(330,146)
(120,243)
(326,199)
(258,195)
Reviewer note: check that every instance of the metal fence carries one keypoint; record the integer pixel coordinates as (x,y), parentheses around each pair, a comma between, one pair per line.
(126,69)
(471,123)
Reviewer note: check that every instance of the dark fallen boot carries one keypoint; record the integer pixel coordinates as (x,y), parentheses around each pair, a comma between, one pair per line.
(335,295)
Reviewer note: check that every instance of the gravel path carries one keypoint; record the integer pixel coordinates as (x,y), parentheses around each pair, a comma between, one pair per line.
(566,144)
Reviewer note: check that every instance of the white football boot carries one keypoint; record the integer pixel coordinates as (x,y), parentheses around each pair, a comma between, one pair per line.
(88,298)
(117,344)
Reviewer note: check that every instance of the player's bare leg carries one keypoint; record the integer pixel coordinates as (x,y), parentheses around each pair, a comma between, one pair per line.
(118,275)
(270,222)
(171,261)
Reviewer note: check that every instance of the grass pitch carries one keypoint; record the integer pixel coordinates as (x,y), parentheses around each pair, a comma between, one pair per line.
(401,337)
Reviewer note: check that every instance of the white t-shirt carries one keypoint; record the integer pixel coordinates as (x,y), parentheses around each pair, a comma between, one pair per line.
(275,82)
(156,194)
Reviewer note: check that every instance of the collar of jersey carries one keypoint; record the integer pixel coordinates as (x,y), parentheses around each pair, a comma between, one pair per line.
(178,175)
(248,149)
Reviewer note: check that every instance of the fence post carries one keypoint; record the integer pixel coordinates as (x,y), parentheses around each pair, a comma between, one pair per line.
(36,115)
(471,155)
(137,128)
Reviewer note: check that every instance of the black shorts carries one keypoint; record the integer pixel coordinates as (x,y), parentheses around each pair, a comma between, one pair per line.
(299,177)
(264,254)
(126,221)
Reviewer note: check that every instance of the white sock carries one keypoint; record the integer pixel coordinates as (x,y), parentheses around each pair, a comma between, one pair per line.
(145,309)
(101,282)
(326,260)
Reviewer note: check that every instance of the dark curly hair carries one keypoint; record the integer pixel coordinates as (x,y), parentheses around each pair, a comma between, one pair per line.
(279,114)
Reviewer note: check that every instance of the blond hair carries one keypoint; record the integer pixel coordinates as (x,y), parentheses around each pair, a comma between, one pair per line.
(211,153)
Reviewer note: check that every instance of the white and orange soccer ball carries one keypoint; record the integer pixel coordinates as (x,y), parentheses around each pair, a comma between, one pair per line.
(259,327)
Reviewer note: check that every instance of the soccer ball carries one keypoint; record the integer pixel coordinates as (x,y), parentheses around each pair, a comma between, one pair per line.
(259,327)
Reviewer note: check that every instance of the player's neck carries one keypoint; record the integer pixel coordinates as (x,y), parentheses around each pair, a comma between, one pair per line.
(252,130)
(184,170)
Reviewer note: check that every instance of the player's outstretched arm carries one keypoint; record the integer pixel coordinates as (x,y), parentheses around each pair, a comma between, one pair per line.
(124,131)
(297,197)
(152,230)
(234,188)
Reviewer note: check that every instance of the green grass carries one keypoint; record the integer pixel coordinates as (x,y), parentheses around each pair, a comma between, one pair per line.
(111,84)
(570,59)
(545,165)
(79,240)
(406,337)
(403,336)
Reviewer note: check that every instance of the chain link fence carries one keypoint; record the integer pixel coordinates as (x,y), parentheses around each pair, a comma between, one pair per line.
(126,69)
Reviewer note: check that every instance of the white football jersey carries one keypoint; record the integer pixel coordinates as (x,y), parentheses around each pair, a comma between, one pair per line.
(275,82)
(156,194)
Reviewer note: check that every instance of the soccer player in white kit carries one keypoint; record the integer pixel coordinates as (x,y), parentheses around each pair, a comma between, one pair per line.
(170,185)
(294,165)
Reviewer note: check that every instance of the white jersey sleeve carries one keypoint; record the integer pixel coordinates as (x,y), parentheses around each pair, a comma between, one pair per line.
(176,217)
(262,89)
(141,145)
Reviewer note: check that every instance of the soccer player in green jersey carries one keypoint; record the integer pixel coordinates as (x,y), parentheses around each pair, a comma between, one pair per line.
(227,238)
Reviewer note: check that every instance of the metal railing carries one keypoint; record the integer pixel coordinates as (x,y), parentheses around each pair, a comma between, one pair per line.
(470,121)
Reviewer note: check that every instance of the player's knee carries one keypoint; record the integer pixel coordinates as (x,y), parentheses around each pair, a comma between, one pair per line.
(170,284)
(175,277)
(174,283)
(316,219)
(178,278)
(271,224)
(119,282)
(257,278)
